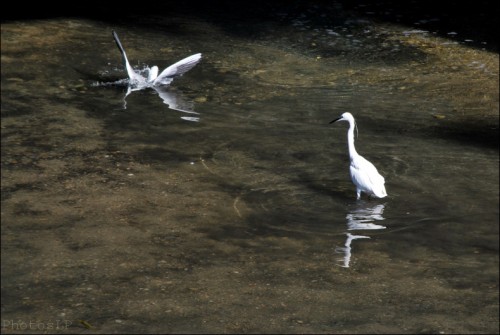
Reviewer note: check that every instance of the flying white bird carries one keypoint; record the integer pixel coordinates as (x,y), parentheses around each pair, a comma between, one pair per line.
(363,173)
(159,83)
(136,80)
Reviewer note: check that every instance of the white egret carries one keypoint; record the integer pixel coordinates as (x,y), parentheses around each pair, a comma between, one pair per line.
(153,79)
(363,173)
(159,83)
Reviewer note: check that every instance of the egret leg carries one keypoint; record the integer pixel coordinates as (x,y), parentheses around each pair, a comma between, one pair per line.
(358,194)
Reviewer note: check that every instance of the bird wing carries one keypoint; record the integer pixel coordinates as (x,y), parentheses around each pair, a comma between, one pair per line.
(132,75)
(365,176)
(177,69)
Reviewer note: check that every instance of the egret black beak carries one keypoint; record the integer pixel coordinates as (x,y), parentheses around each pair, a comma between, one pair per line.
(337,119)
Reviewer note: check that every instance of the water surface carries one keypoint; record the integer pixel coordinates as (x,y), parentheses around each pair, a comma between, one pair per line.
(129,216)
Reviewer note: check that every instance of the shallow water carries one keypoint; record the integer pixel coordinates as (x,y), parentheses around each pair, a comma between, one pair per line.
(129,216)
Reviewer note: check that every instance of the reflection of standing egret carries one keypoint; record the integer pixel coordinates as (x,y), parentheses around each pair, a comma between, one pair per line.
(346,250)
(363,173)
(362,218)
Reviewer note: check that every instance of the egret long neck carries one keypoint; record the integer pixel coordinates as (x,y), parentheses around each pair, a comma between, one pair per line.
(350,140)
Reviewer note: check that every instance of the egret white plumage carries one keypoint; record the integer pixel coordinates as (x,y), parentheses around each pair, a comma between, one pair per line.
(363,173)
(153,79)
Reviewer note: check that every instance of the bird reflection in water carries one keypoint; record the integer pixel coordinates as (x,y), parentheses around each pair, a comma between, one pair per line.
(174,99)
(346,249)
(361,218)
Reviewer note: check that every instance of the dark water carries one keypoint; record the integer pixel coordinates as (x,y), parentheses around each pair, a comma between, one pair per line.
(129,216)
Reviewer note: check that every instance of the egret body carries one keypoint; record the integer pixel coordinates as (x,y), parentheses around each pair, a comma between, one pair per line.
(363,173)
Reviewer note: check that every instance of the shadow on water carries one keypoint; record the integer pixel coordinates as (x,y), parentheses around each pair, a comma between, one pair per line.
(473,23)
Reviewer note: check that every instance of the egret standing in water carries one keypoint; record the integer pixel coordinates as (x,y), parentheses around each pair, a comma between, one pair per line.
(363,173)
